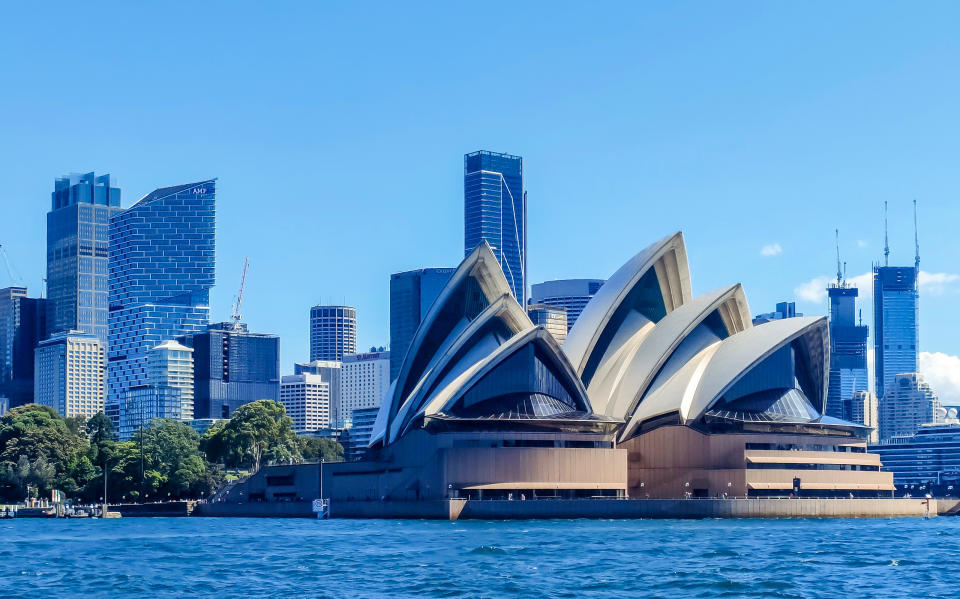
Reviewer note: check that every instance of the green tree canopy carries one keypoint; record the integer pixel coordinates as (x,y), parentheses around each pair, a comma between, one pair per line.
(316,449)
(259,431)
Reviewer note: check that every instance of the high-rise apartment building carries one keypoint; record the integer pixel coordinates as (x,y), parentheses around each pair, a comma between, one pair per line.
(233,367)
(333,332)
(69,374)
(571,294)
(848,350)
(329,372)
(895,332)
(161,271)
(22,326)
(411,295)
(552,318)
(167,392)
(865,409)
(908,402)
(364,382)
(77,252)
(306,398)
(495,211)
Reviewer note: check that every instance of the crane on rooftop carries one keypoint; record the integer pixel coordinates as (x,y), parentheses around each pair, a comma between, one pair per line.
(243,280)
(14,278)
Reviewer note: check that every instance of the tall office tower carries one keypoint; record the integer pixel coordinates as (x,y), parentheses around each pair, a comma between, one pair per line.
(69,374)
(330,372)
(77,238)
(364,382)
(167,393)
(783,310)
(495,211)
(411,295)
(848,350)
(161,271)
(232,367)
(552,318)
(908,403)
(572,294)
(333,332)
(307,400)
(865,410)
(895,333)
(22,326)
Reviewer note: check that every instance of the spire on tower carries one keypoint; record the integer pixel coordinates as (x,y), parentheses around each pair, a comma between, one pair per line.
(886,242)
(916,238)
(836,233)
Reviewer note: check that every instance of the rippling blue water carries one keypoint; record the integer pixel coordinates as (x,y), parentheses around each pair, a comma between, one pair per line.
(177,557)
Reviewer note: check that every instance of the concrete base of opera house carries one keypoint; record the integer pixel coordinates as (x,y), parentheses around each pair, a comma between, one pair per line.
(462,509)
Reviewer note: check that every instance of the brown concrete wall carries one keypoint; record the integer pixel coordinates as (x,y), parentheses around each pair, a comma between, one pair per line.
(521,466)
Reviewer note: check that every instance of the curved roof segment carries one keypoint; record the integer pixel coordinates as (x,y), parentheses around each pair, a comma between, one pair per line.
(648,287)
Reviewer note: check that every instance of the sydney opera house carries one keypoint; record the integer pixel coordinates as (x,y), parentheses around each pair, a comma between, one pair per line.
(655,393)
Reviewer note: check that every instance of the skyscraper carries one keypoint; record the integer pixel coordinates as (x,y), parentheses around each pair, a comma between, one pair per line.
(232,367)
(22,326)
(909,403)
(330,373)
(306,398)
(495,211)
(572,294)
(848,351)
(69,374)
(895,333)
(77,253)
(333,332)
(364,382)
(161,271)
(168,392)
(411,295)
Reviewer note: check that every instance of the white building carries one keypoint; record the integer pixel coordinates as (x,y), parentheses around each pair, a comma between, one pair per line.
(908,405)
(364,382)
(170,364)
(307,400)
(70,374)
(865,410)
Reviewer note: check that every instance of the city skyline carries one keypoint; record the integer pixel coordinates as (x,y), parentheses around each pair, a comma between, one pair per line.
(828,140)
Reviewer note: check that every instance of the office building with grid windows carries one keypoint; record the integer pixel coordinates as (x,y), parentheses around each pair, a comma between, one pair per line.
(364,382)
(412,293)
(69,374)
(22,326)
(333,332)
(570,294)
(306,398)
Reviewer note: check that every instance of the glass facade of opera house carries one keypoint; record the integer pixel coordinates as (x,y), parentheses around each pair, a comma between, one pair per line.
(654,393)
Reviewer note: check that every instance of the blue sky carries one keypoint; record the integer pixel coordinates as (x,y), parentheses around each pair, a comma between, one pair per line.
(338,131)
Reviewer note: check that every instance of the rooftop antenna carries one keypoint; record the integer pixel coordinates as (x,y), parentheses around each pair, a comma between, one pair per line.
(844,272)
(886,243)
(836,233)
(243,280)
(916,237)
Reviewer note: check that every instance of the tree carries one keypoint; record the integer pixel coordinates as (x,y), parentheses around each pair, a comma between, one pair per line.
(316,449)
(259,431)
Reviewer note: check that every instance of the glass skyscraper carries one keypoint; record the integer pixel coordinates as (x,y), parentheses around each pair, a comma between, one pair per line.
(495,211)
(571,294)
(896,336)
(232,367)
(411,295)
(161,272)
(848,352)
(22,326)
(77,237)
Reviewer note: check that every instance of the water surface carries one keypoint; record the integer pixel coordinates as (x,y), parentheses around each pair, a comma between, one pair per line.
(206,557)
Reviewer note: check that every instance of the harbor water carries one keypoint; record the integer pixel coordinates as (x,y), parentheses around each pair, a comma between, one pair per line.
(206,557)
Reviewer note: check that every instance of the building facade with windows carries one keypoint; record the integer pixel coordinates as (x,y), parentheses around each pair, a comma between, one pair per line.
(848,352)
(571,294)
(552,318)
(412,293)
(162,266)
(908,404)
(783,310)
(495,212)
(895,332)
(306,398)
(22,327)
(927,462)
(233,367)
(78,235)
(364,382)
(69,373)
(333,332)
(167,392)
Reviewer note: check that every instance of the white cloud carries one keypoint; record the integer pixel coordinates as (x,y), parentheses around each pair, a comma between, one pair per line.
(813,291)
(942,371)
(935,283)
(771,250)
(861,243)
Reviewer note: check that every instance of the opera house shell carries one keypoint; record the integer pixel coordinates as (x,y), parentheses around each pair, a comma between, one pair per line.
(655,393)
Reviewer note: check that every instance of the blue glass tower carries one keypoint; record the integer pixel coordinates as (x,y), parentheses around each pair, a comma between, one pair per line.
(495,211)
(161,272)
(412,293)
(77,235)
(896,336)
(848,351)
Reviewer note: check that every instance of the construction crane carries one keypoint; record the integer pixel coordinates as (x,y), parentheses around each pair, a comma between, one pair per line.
(243,281)
(6,260)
